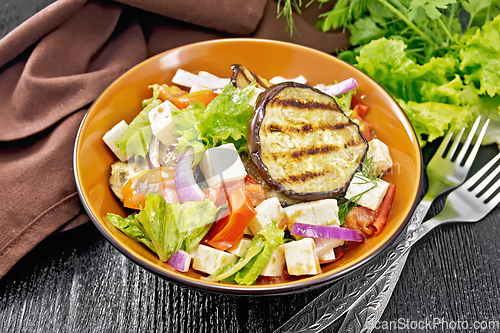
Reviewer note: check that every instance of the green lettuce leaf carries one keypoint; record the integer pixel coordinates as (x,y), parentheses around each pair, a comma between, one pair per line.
(196,214)
(131,227)
(159,221)
(247,269)
(431,119)
(344,101)
(137,136)
(274,238)
(224,120)
(172,226)
(480,58)
(186,131)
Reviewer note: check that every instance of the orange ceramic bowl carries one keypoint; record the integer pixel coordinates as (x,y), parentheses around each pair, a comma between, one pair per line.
(122,100)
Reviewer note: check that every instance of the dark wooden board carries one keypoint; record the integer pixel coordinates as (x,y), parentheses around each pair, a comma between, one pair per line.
(77,282)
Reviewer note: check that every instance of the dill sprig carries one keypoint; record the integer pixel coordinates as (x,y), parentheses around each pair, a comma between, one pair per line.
(367,174)
(287,12)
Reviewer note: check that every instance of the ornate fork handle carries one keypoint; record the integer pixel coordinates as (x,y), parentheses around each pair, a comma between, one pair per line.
(337,299)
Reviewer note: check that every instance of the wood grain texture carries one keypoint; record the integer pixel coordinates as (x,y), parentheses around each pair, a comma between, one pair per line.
(77,282)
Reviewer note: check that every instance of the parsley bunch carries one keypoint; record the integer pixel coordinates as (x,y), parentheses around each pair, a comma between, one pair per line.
(428,27)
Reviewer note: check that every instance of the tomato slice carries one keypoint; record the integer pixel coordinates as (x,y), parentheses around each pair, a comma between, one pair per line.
(230,229)
(359,106)
(254,191)
(366,128)
(361,219)
(159,180)
(202,96)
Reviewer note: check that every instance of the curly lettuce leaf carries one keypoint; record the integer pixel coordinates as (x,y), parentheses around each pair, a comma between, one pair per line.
(344,101)
(431,119)
(186,132)
(196,214)
(437,96)
(480,58)
(138,135)
(159,221)
(172,226)
(247,269)
(131,227)
(274,238)
(224,120)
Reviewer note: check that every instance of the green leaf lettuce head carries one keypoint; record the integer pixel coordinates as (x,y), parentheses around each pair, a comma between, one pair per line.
(446,92)
(137,136)
(224,120)
(167,227)
(480,58)
(247,269)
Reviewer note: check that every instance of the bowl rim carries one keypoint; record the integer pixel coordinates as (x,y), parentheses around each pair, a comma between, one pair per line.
(298,286)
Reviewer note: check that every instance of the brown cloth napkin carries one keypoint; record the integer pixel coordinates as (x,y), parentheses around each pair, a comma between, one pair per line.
(57,62)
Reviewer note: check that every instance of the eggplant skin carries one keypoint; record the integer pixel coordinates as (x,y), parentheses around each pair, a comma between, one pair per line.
(242,77)
(302,143)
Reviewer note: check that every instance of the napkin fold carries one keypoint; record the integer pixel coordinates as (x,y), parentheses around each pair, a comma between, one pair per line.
(55,64)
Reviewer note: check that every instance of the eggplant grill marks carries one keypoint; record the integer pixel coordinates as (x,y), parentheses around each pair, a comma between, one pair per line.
(308,144)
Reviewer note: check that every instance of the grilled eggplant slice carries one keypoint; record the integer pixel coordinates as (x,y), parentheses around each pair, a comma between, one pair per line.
(121,172)
(242,78)
(302,143)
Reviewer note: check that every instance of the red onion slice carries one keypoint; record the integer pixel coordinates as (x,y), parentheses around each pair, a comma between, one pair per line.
(180,260)
(185,185)
(340,88)
(325,231)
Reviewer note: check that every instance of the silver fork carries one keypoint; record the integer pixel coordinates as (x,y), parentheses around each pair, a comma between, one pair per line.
(443,175)
(469,202)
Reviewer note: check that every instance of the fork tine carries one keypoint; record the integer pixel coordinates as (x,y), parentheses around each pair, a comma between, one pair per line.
(496,199)
(455,144)
(482,185)
(465,147)
(475,149)
(473,180)
(444,144)
(492,188)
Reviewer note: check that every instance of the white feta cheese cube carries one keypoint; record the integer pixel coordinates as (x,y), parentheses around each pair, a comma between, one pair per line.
(208,259)
(301,257)
(207,74)
(270,209)
(162,124)
(372,194)
(300,213)
(327,257)
(197,87)
(248,231)
(276,264)
(380,155)
(113,135)
(326,211)
(188,79)
(222,164)
(239,248)
(279,79)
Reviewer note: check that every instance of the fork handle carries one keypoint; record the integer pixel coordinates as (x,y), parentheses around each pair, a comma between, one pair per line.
(337,299)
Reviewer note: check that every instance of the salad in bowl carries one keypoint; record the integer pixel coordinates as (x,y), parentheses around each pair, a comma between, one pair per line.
(246,179)
(224,171)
